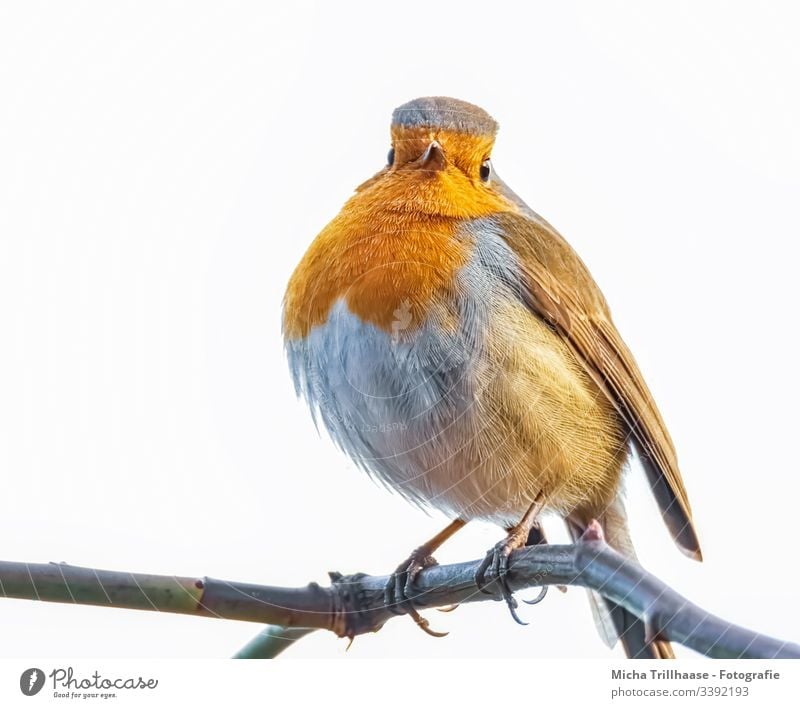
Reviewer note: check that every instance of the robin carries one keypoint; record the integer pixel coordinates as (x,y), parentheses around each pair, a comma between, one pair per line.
(456,347)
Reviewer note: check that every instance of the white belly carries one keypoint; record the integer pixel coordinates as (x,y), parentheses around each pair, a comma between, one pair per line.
(466,419)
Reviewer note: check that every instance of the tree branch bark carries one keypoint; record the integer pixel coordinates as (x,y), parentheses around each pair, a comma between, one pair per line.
(271,641)
(353,604)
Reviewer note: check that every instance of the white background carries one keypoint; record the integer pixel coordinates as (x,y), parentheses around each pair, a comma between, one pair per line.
(163,167)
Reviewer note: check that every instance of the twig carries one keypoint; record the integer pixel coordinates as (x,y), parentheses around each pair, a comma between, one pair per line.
(270,642)
(353,604)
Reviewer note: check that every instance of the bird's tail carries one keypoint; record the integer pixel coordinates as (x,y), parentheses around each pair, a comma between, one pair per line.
(613,621)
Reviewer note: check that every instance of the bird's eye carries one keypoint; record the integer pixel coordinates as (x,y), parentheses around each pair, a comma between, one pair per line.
(390,157)
(486,169)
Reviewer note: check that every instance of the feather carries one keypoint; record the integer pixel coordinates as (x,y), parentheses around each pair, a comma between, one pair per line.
(557,286)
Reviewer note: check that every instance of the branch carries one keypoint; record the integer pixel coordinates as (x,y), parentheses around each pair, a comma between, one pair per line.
(353,604)
(271,641)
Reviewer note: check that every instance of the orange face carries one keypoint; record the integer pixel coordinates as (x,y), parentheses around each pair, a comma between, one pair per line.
(394,245)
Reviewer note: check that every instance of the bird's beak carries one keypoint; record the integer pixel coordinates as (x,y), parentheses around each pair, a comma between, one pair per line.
(433,158)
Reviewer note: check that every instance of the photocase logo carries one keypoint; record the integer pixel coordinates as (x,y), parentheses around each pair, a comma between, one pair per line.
(68,684)
(31,681)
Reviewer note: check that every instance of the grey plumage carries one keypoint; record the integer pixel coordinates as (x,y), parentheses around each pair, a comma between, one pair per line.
(439,112)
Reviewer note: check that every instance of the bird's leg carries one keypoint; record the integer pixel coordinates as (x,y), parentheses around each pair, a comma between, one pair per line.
(496,562)
(400,584)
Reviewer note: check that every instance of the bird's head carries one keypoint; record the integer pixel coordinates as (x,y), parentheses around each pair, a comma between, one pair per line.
(394,241)
(439,160)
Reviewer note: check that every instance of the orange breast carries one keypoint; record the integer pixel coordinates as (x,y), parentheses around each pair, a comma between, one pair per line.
(391,252)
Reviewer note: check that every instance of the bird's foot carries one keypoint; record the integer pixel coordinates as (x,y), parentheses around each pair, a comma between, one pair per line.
(401,584)
(495,567)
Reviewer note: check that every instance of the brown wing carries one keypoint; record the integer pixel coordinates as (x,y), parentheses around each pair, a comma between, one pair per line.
(558,287)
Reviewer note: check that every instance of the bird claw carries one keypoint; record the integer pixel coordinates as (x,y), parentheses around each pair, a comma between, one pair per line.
(424,625)
(492,562)
(536,600)
(496,566)
(401,584)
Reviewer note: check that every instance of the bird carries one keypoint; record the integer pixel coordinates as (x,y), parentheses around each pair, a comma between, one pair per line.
(458,350)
